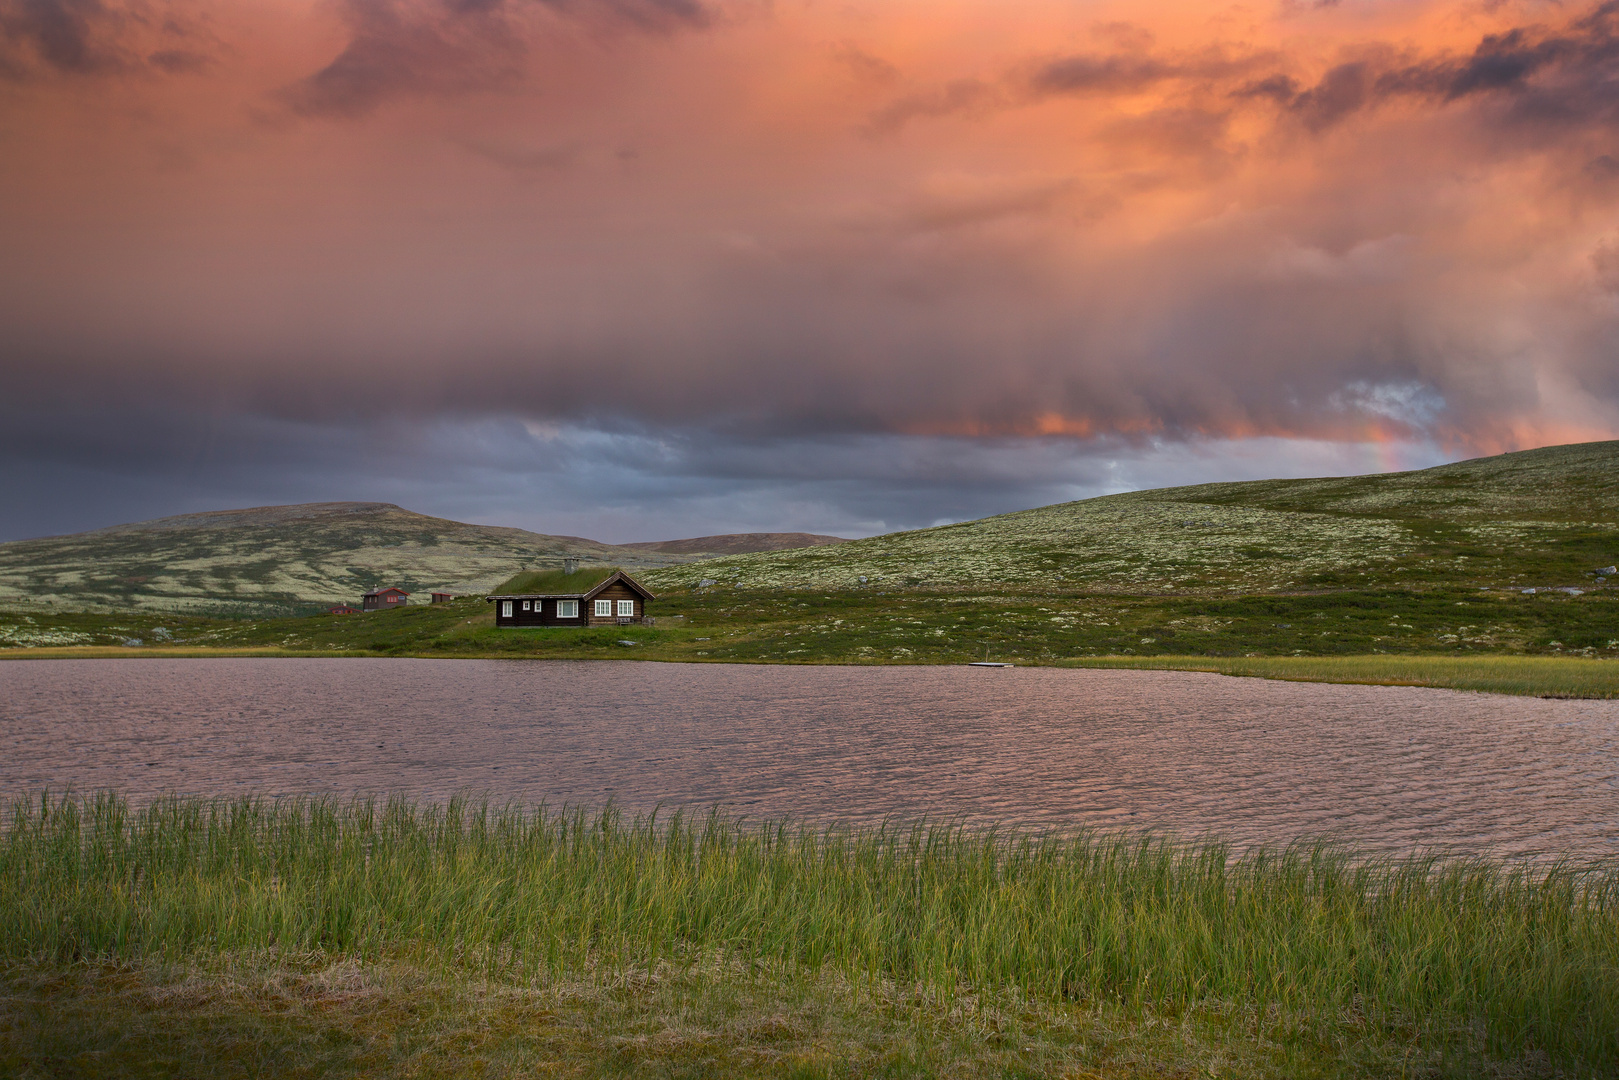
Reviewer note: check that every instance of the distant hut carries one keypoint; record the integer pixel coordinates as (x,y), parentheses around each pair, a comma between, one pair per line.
(382,599)
(343,609)
(603,596)
(442,597)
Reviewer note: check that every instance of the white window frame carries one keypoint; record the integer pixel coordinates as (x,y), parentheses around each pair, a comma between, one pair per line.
(604,609)
(505,609)
(567,609)
(626,609)
(525,605)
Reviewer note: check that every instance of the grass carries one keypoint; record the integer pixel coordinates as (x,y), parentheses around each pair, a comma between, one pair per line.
(1533,676)
(548,582)
(781,950)
(1501,641)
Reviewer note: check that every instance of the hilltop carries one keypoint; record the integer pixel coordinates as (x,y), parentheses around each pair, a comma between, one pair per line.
(735,543)
(278,559)
(1542,517)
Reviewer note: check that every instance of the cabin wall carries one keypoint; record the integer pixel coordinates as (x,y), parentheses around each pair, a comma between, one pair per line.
(614,592)
(546,616)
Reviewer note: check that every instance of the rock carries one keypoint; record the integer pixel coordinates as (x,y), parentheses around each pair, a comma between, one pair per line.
(1608,571)
(706,582)
(630,644)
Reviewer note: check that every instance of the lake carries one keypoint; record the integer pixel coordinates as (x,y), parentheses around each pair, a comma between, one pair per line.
(1386,768)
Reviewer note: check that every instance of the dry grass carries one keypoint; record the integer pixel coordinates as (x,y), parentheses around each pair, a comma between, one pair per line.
(318,1014)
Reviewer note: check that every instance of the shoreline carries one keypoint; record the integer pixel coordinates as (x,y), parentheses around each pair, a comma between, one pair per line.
(1557,677)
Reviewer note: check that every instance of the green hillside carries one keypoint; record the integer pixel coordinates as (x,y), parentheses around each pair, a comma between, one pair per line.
(1487,562)
(1538,518)
(278,560)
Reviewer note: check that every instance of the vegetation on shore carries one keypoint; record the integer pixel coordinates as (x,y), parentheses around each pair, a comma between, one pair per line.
(365,938)
(1505,642)
(1532,676)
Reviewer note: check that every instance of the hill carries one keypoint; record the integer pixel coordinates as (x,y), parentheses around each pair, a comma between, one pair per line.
(278,559)
(735,543)
(1545,517)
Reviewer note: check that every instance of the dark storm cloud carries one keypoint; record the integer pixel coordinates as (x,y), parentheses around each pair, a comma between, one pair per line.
(72,36)
(1567,74)
(1560,75)
(622,484)
(97,38)
(411,47)
(406,47)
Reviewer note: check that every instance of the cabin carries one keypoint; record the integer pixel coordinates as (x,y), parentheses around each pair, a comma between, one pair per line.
(442,597)
(383,599)
(343,609)
(603,596)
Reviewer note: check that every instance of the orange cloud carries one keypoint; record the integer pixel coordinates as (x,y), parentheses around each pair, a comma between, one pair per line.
(1352,221)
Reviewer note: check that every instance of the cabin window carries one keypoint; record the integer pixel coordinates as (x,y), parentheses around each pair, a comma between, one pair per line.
(604,607)
(525,605)
(567,609)
(626,608)
(505,609)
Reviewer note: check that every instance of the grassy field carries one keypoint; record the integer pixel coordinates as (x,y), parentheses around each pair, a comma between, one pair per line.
(1501,641)
(301,938)
(1537,676)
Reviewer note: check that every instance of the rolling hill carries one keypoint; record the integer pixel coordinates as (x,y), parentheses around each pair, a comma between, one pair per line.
(278,560)
(1546,517)
(735,544)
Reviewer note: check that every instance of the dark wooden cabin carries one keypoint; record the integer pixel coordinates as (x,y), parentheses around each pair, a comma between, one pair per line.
(602,597)
(382,599)
(442,597)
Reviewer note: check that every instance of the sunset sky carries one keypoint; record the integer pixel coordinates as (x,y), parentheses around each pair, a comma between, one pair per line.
(639,269)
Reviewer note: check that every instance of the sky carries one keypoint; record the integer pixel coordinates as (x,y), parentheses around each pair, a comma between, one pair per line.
(644,269)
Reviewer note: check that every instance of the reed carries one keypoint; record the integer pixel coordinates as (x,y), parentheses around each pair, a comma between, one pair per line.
(1527,957)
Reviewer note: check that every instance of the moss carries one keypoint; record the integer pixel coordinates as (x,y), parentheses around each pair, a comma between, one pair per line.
(550,582)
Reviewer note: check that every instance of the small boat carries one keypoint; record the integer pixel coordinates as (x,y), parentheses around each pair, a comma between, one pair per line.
(987,663)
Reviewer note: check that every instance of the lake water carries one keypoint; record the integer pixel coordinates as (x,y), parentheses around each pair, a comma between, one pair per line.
(1386,768)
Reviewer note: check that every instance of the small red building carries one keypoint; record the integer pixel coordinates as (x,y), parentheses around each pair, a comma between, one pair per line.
(382,599)
(344,609)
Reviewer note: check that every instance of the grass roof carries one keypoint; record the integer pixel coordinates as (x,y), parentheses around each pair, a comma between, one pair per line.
(550,582)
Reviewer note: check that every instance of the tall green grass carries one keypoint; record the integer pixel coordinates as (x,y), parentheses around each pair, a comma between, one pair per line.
(1527,956)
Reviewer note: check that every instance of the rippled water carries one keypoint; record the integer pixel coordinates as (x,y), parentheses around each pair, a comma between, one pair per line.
(1388,768)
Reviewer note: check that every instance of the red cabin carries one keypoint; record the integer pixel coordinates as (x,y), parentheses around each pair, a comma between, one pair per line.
(383,599)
